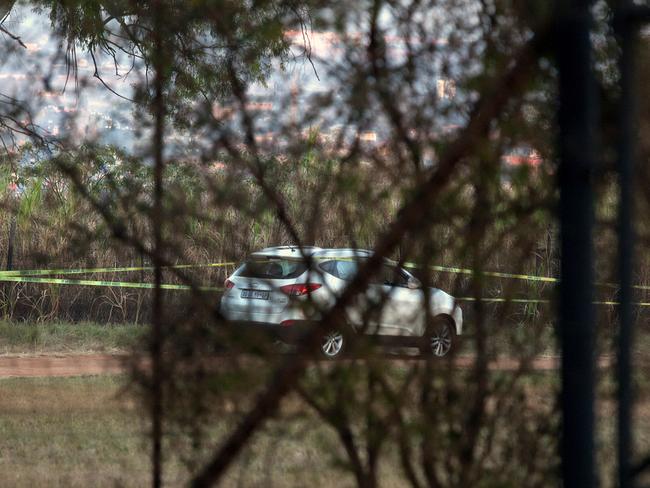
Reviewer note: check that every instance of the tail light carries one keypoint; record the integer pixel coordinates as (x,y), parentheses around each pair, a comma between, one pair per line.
(300,289)
(228,284)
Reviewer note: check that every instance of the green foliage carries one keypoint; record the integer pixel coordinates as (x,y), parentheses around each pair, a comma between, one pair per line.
(204,54)
(30,200)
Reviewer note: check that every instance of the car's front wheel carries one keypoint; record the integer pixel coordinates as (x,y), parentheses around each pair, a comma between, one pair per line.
(333,343)
(439,338)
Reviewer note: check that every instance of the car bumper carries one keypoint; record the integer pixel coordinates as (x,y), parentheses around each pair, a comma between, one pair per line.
(458,319)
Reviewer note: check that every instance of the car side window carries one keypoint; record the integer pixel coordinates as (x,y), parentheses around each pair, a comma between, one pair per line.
(344,270)
(390,275)
(329,267)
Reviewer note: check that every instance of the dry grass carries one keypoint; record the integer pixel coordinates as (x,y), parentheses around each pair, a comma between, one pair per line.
(88,432)
(69,432)
(65,337)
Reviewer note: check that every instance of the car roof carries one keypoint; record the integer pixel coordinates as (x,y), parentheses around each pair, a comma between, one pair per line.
(286,251)
(342,253)
(313,251)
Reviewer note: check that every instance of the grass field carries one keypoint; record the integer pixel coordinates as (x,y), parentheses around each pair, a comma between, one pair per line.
(20,338)
(87,431)
(23,338)
(69,432)
(66,337)
(91,431)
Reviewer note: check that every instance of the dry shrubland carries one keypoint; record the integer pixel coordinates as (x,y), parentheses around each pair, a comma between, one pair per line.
(381,156)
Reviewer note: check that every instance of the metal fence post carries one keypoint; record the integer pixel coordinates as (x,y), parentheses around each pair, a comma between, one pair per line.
(626,31)
(576,117)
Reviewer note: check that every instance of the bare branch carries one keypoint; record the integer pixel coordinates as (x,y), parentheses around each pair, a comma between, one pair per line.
(416,213)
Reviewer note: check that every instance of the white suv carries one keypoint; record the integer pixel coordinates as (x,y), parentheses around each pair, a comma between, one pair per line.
(276,290)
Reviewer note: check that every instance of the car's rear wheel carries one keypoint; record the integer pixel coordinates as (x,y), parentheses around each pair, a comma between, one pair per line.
(439,338)
(333,343)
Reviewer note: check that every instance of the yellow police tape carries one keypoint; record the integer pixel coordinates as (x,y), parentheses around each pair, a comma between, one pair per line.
(443,269)
(537,301)
(47,272)
(167,286)
(118,284)
(496,274)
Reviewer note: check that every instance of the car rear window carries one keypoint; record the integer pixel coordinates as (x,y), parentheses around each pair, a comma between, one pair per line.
(273,269)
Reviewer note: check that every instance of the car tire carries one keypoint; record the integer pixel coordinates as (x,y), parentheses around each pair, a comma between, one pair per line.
(439,338)
(333,344)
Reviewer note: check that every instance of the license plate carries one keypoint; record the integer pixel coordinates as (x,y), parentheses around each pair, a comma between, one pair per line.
(257,294)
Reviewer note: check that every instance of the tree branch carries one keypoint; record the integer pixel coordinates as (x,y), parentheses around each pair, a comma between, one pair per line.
(416,214)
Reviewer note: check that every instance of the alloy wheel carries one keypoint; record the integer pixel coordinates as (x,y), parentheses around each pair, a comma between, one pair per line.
(332,344)
(440,340)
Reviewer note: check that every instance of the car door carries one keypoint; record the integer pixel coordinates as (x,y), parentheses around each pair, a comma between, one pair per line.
(402,310)
(362,314)
(386,307)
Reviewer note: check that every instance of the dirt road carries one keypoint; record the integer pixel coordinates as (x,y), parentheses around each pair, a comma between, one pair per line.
(98,364)
(61,365)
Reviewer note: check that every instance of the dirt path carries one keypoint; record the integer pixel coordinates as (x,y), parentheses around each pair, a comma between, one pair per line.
(60,365)
(98,364)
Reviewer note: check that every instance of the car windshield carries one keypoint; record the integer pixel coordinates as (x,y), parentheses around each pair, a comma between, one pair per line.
(274,269)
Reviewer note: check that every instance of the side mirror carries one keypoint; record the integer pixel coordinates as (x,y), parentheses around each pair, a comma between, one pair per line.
(413,283)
